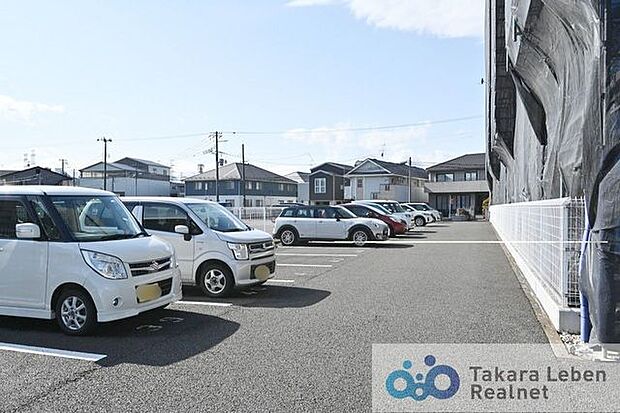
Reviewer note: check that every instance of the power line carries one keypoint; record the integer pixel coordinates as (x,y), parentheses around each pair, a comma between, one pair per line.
(359,129)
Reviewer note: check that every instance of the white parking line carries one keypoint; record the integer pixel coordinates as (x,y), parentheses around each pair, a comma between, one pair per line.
(317,255)
(317,247)
(305,265)
(52,352)
(204,303)
(281,281)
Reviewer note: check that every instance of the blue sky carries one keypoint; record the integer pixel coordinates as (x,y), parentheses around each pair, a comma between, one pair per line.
(73,71)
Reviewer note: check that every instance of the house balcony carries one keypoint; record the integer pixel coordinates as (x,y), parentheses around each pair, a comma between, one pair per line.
(456,187)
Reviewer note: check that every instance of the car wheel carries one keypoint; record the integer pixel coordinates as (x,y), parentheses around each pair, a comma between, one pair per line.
(360,237)
(420,221)
(215,280)
(391,232)
(288,237)
(76,314)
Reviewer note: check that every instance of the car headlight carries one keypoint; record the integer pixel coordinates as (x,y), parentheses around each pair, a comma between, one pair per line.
(105,265)
(239,250)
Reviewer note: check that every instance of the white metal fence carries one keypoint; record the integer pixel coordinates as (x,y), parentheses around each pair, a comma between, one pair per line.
(546,235)
(258,217)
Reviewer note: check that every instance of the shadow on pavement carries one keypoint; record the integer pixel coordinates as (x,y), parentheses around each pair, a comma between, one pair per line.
(155,338)
(267,296)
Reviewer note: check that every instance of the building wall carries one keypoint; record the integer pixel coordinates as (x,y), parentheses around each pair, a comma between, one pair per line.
(232,188)
(252,200)
(334,192)
(127,186)
(303,193)
(374,187)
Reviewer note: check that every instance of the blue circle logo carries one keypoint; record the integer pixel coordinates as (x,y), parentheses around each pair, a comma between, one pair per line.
(420,388)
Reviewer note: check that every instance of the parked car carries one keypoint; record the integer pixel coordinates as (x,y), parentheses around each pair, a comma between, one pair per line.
(421,206)
(419,215)
(79,256)
(215,250)
(307,223)
(394,208)
(396,225)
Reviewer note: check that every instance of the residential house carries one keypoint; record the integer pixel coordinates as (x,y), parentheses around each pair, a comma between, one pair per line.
(262,187)
(303,186)
(458,183)
(379,179)
(129,177)
(327,183)
(35,176)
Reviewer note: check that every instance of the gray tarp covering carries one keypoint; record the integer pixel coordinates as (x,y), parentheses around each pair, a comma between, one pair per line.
(553,127)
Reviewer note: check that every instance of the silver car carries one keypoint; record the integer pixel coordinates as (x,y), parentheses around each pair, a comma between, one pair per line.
(312,223)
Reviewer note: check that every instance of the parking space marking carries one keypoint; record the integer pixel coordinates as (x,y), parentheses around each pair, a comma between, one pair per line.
(207,303)
(52,352)
(281,281)
(306,265)
(316,247)
(317,255)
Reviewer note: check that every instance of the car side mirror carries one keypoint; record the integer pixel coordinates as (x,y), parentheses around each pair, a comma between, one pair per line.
(337,219)
(27,231)
(181,229)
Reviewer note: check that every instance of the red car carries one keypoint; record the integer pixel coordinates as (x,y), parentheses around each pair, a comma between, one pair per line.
(367,211)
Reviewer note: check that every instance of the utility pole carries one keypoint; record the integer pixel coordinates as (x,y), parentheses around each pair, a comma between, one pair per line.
(62,167)
(243,171)
(217,166)
(409,179)
(105,161)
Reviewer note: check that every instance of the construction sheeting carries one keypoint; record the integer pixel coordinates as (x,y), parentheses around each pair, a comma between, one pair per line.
(553,128)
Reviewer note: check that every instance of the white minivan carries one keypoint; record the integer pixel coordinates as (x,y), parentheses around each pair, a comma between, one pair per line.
(79,256)
(215,250)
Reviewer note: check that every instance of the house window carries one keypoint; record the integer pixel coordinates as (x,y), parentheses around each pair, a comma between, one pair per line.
(320,185)
(374,195)
(281,187)
(198,186)
(259,185)
(360,183)
(229,185)
(248,185)
(445,177)
(386,187)
(259,203)
(471,176)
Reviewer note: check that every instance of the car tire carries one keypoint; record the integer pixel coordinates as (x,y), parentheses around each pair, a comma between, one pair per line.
(360,236)
(288,237)
(76,314)
(420,221)
(215,280)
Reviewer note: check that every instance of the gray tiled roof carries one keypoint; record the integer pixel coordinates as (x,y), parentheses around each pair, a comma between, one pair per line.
(232,172)
(463,162)
(401,169)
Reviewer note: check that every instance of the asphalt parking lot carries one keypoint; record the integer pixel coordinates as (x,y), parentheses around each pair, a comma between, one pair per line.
(300,342)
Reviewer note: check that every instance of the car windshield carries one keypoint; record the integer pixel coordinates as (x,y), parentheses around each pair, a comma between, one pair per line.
(422,207)
(394,207)
(217,217)
(345,213)
(97,218)
(381,208)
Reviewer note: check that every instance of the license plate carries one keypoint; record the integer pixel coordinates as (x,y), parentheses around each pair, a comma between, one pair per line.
(148,292)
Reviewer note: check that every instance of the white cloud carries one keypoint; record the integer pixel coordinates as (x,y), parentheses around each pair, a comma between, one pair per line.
(12,108)
(441,18)
(341,145)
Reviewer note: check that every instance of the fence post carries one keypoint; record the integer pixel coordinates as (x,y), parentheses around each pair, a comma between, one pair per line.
(265,219)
